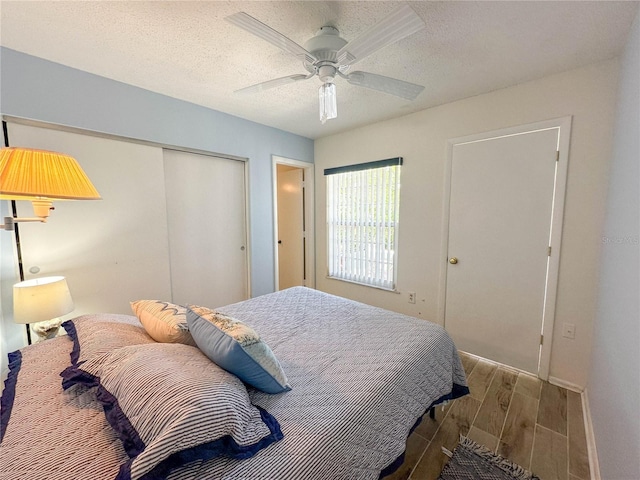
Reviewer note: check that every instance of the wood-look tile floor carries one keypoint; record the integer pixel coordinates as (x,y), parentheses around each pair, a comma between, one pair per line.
(535,424)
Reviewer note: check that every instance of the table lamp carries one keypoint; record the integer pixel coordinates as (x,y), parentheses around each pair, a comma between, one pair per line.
(42,301)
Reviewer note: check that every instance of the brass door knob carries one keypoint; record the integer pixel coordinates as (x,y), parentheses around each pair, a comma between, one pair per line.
(453,260)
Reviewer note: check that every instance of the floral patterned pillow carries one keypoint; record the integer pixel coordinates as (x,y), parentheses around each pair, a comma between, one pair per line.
(237,348)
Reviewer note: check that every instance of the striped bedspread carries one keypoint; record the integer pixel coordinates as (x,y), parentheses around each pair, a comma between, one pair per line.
(53,434)
(360,377)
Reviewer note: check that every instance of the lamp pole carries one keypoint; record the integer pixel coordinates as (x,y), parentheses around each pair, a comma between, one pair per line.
(14,213)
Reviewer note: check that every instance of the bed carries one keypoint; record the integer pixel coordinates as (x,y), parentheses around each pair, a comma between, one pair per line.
(358,379)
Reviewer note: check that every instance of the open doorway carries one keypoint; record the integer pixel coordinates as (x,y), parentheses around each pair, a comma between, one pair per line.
(293,223)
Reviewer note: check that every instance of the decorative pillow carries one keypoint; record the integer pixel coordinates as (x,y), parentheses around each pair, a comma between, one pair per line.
(164,321)
(237,348)
(94,335)
(170,406)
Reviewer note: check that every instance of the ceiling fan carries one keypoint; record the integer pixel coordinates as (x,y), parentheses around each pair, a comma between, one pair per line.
(327,55)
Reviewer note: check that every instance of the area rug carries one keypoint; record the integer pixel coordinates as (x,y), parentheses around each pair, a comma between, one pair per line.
(471,461)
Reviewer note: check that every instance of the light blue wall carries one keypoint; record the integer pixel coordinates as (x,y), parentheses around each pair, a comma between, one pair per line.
(614,382)
(41,90)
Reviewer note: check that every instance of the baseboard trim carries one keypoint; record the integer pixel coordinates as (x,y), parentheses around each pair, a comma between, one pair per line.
(594,466)
(564,384)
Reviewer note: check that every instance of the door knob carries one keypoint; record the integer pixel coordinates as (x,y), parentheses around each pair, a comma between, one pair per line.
(453,260)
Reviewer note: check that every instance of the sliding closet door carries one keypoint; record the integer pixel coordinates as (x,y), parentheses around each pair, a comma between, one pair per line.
(206,215)
(112,251)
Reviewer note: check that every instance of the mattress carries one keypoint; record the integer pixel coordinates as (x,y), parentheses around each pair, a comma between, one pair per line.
(360,378)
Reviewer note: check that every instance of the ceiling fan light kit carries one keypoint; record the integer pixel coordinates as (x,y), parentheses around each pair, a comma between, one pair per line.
(327,55)
(328,102)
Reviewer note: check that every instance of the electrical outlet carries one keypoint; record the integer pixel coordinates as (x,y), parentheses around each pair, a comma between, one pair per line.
(569,330)
(412,297)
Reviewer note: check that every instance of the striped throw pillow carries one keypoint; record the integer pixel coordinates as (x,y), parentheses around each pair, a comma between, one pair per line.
(94,335)
(170,406)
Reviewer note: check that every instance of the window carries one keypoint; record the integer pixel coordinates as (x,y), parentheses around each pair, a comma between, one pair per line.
(362,222)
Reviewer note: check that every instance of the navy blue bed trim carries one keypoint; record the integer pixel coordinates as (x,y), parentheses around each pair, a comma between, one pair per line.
(9,392)
(72,374)
(457,392)
(70,328)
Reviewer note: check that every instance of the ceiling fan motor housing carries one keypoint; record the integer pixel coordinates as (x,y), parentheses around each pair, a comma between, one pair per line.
(326,73)
(325,46)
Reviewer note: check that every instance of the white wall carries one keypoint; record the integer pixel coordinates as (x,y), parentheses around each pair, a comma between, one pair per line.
(613,389)
(588,94)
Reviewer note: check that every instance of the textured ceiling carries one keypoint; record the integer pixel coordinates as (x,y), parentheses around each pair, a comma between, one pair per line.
(186,50)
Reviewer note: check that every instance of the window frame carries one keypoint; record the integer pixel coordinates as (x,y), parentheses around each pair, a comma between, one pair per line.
(385,215)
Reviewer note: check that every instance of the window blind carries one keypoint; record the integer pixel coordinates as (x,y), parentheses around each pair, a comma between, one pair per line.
(362,222)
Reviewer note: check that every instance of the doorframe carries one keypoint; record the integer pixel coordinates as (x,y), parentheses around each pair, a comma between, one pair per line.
(563,124)
(309,214)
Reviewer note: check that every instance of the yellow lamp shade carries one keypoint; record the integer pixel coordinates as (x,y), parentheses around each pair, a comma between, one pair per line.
(30,174)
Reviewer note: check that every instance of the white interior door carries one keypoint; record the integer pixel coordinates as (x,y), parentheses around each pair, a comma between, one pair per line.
(290,227)
(206,215)
(500,215)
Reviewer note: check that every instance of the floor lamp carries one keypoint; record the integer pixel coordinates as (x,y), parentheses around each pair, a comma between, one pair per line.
(38,176)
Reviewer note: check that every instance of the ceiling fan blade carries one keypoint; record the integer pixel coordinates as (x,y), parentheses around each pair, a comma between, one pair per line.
(399,88)
(401,23)
(259,29)
(276,82)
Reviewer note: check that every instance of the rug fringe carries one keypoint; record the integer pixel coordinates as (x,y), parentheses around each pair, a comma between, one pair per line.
(504,464)
(447,452)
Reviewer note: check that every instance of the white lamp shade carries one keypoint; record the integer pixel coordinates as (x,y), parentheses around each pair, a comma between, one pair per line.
(41,299)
